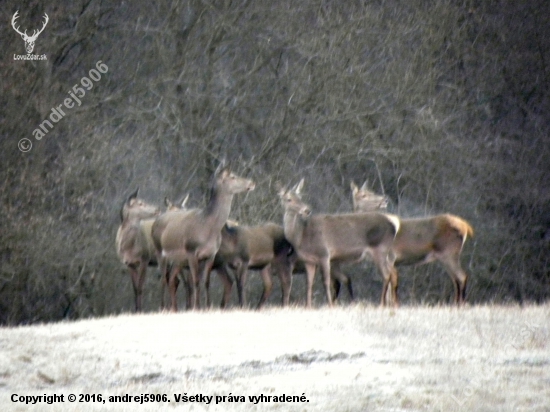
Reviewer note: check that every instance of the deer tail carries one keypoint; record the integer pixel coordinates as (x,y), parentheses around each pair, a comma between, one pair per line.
(461,226)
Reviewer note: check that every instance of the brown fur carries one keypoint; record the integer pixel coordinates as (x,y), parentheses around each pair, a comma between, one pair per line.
(134,244)
(193,238)
(157,229)
(263,248)
(423,240)
(322,239)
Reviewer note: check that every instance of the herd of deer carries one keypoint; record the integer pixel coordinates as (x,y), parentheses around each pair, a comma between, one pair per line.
(202,240)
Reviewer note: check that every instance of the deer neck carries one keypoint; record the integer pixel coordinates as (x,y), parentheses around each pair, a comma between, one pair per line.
(218,208)
(368,206)
(129,220)
(293,227)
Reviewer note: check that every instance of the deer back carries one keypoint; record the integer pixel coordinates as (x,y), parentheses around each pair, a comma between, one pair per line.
(262,241)
(347,234)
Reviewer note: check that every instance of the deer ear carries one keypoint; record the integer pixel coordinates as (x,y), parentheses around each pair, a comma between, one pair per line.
(298,188)
(221,167)
(365,186)
(281,190)
(231,223)
(184,201)
(353,187)
(133,196)
(167,202)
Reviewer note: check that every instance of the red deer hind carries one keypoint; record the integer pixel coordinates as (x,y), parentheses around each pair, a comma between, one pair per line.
(133,241)
(261,247)
(265,248)
(156,231)
(160,224)
(193,238)
(424,240)
(323,238)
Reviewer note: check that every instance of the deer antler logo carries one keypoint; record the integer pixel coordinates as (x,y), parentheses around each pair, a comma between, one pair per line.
(29,40)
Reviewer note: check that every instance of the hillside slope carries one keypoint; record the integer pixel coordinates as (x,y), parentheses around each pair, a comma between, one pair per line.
(348,359)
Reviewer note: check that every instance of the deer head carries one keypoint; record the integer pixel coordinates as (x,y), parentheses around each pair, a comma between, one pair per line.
(29,40)
(136,209)
(229,182)
(292,201)
(366,201)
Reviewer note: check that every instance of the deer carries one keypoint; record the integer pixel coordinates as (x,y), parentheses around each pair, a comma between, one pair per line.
(192,238)
(157,228)
(134,245)
(156,233)
(320,239)
(29,40)
(262,247)
(424,240)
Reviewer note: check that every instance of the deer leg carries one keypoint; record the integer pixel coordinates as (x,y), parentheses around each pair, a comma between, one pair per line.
(386,276)
(461,280)
(207,288)
(458,275)
(456,288)
(325,267)
(283,266)
(134,277)
(385,285)
(241,275)
(391,280)
(163,279)
(207,268)
(173,286)
(165,271)
(192,281)
(463,291)
(227,285)
(243,279)
(187,285)
(237,272)
(338,279)
(349,286)
(142,272)
(385,262)
(310,276)
(394,280)
(335,284)
(268,285)
(285,275)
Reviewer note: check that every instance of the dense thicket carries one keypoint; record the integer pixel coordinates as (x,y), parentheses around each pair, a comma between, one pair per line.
(443,105)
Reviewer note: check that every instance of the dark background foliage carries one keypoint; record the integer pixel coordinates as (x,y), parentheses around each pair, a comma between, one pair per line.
(442,105)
